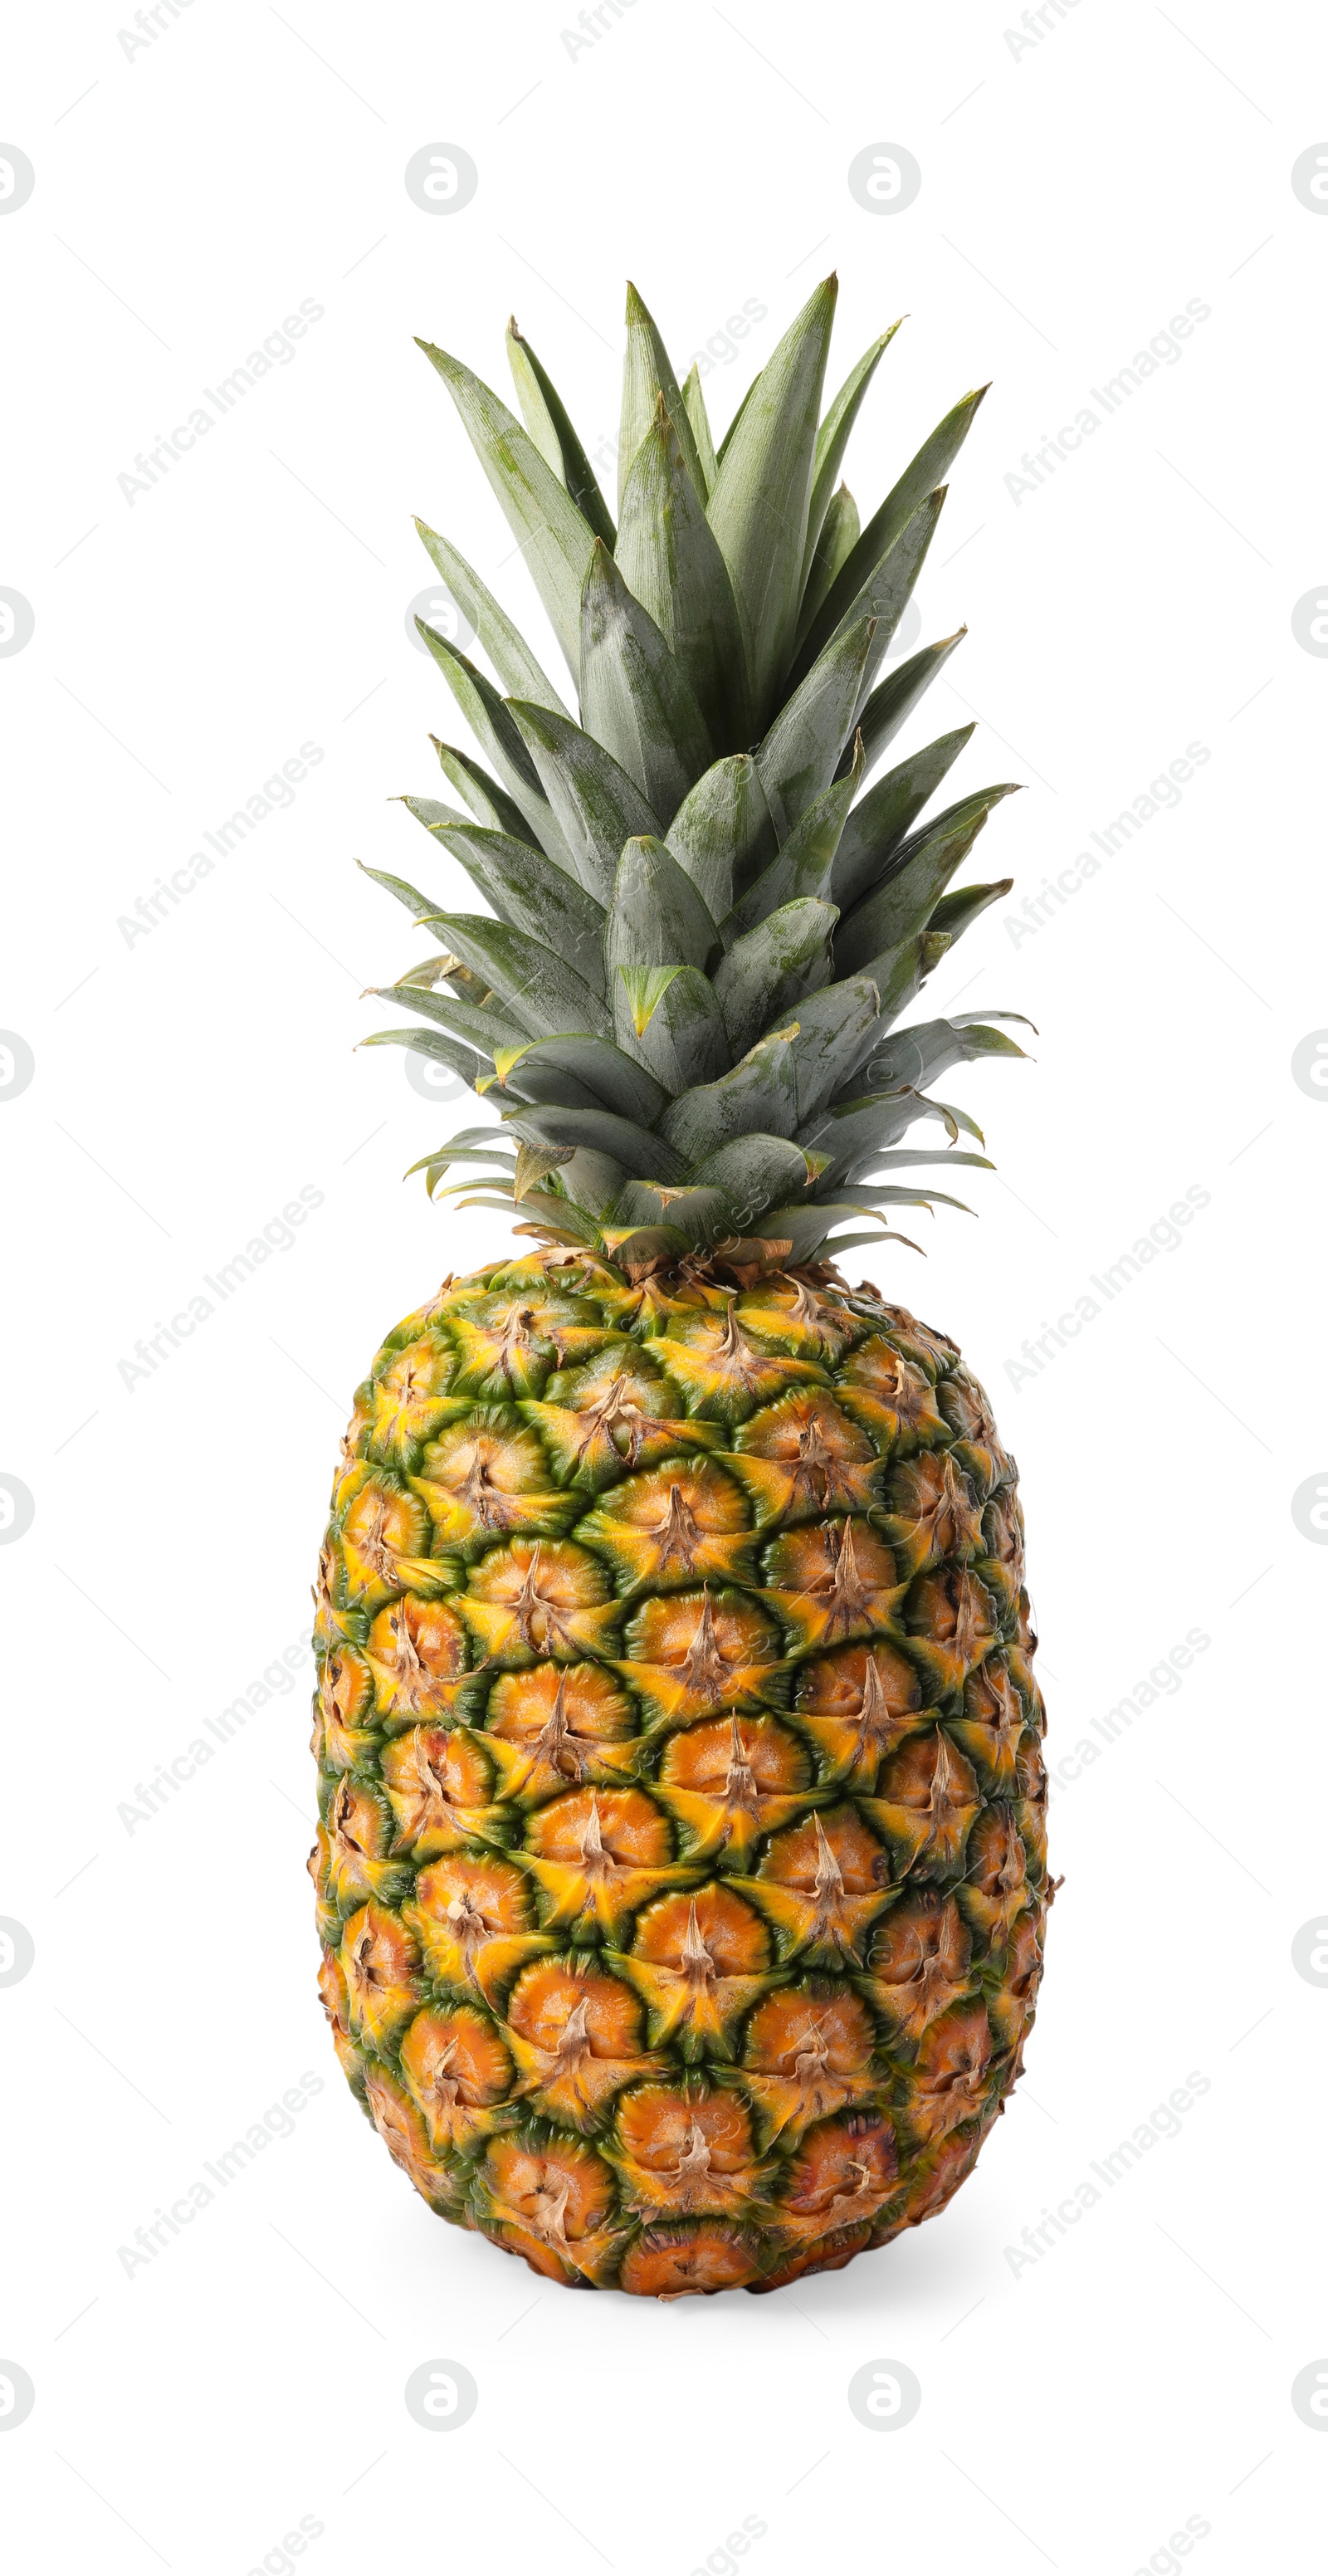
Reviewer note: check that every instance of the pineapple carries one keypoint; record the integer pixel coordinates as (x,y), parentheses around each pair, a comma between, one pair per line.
(681,1872)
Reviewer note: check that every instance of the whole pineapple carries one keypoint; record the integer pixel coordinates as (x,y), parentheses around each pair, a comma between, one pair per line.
(681,1878)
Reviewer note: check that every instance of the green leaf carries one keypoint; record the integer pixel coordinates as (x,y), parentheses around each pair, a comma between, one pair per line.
(886,595)
(699,1215)
(852,1128)
(919,479)
(723,830)
(751,1172)
(481,1138)
(423,906)
(604,1133)
(759,1094)
(956,913)
(642,1243)
(840,532)
(876,827)
(871,1195)
(557,441)
(758,508)
(694,404)
(429,811)
(634,698)
(648,374)
(573,1224)
(612,1078)
(803,866)
(894,698)
(656,918)
(730,433)
(531,895)
(539,1085)
(592,1181)
(808,1229)
(534,1164)
(554,538)
(668,558)
(499,1155)
(917,1055)
(596,804)
(910,1159)
(800,754)
(487,800)
(919,873)
(530,984)
(427,973)
(682,1040)
(486,1031)
(898,973)
(766,972)
(458,1059)
(508,651)
(490,722)
(833,436)
(830,1039)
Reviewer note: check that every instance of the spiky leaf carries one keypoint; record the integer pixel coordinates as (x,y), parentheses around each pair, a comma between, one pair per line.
(833,436)
(800,753)
(554,537)
(488,802)
(656,917)
(670,1017)
(768,970)
(921,477)
(893,699)
(508,651)
(840,532)
(805,863)
(485,1030)
(531,895)
(761,1092)
(876,827)
(532,986)
(604,1133)
(596,804)
(615,1079)
(634,697)
(723,830)
(461,1060)
(647,377)
(547,421)
(758,508)
(917,877)
(668,557)
(490,722)
(694,404)
(956,913)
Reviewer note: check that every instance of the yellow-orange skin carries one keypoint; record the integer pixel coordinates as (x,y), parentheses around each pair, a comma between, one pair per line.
(681,1867)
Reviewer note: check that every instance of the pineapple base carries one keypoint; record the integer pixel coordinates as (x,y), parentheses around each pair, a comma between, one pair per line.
(681,1863)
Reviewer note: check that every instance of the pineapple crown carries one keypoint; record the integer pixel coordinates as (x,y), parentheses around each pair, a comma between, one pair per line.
(685,998)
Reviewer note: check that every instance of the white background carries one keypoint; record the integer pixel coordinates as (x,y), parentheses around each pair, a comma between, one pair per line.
(1075,195)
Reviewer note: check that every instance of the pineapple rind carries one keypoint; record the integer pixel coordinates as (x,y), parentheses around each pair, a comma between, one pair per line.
(681,1867)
